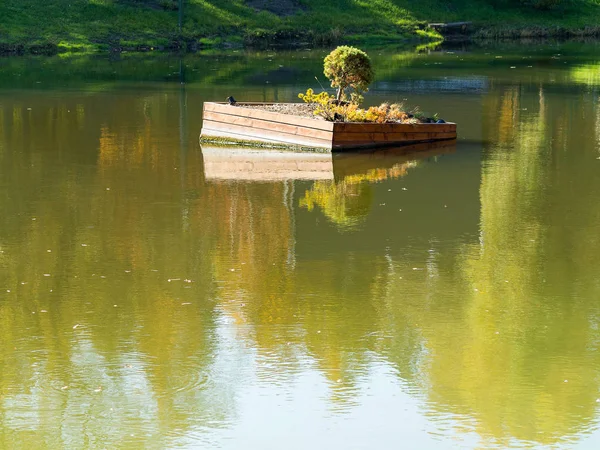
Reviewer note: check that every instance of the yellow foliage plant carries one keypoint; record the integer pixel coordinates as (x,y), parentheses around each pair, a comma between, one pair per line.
(326,106)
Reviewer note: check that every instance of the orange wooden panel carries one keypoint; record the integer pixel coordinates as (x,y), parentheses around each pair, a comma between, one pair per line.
(393,127)
(389,137)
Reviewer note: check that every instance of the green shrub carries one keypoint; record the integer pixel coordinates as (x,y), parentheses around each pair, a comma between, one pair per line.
(348,67)
(320,103)
(324,105)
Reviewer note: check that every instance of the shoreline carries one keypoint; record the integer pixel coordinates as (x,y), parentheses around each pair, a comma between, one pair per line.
(476,33)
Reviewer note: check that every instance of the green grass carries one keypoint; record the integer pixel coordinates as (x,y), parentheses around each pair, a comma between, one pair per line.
(82,25)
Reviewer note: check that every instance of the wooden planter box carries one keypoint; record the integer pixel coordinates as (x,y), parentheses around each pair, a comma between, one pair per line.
(226,124)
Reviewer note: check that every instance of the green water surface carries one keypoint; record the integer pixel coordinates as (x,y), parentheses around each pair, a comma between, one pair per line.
(154,296)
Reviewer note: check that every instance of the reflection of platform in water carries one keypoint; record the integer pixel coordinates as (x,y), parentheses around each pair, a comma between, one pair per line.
(383,162)
(234,163)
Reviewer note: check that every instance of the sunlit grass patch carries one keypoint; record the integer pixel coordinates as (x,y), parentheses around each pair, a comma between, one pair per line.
(139,23)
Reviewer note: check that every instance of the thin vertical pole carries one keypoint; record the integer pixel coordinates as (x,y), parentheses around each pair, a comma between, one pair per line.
(180,15)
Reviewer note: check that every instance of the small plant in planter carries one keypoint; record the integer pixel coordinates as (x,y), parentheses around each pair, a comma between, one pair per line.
(349,67)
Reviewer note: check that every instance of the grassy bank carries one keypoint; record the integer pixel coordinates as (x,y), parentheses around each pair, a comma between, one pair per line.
(47,26)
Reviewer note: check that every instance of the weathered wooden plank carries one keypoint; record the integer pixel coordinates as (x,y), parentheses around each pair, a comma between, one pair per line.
(389,137)
(239,110)
(267,125)
(208,133)
(243,132)
(224,136)
(393,127)
(268,134)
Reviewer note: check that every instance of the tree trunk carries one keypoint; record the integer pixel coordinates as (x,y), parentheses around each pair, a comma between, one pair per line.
(340,93)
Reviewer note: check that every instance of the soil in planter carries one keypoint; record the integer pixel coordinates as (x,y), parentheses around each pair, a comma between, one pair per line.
(307,110)
(293,109)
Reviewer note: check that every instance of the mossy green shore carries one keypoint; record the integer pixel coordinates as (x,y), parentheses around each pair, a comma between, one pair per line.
(50,26)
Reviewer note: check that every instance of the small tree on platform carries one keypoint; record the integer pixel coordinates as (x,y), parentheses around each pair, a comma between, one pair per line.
(348,67)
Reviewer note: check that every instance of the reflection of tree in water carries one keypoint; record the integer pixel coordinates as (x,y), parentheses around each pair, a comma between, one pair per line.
(519,353)
(103,345)
(253,247)
(346,205)
(290,310)
(347,202)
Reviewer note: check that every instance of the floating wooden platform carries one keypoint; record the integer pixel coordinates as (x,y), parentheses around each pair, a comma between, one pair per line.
(227,124)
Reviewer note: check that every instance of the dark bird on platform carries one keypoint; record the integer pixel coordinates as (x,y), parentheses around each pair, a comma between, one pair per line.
(231,100)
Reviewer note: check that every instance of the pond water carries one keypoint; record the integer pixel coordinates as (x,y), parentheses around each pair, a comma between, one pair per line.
(157,295)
